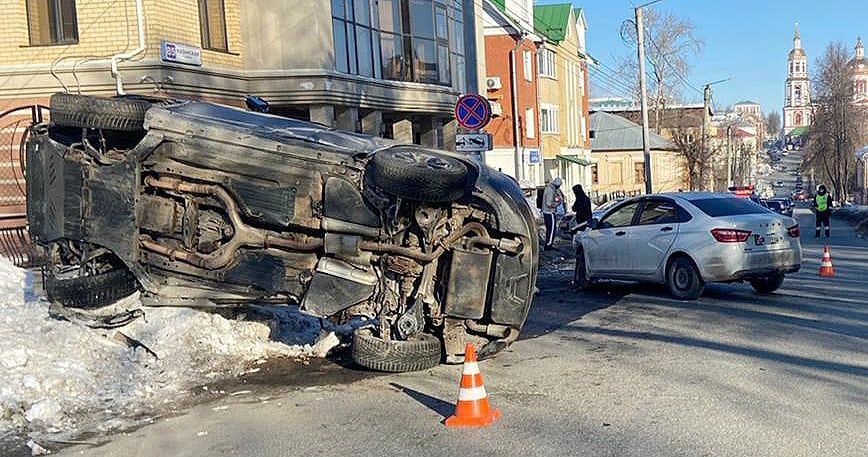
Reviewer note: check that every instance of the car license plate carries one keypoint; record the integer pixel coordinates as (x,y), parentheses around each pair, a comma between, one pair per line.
(766,240)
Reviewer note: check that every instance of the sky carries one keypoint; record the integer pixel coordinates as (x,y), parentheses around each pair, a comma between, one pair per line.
(747,40)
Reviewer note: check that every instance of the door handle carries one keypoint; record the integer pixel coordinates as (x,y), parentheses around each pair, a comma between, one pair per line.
(666,229)
(620,233)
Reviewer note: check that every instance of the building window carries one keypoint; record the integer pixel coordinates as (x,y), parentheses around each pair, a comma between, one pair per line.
(52,22)
(212,23)
(595,174)
(639,172)
(529,123)
(548,119)
(798,119)
(402,40)
(528,65)
(798,94)
(547,63)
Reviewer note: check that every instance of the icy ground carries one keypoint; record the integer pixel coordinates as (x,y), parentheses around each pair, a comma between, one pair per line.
(60,379)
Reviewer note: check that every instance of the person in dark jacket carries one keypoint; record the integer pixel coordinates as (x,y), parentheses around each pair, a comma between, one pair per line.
(582,206)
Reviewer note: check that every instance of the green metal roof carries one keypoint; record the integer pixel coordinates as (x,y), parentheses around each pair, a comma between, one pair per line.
(798,131)
(552,21)
(574,159)
(501,4)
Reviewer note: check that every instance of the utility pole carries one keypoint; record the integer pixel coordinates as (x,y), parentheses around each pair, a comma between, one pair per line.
(640,38)
(728,156)
(706,104)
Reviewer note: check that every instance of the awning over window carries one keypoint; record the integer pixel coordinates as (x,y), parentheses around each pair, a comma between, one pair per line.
(574,160)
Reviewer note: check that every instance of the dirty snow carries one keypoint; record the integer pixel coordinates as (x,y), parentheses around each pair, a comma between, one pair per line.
(59,379)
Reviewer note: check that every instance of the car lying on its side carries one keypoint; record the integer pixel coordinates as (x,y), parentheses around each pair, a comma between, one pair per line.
(193,200)
(685,240)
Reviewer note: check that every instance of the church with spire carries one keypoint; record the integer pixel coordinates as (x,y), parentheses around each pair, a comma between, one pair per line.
(859,67)
(798,111)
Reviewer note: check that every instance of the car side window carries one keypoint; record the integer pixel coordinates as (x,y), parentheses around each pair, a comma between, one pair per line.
(621,217)
(658,212)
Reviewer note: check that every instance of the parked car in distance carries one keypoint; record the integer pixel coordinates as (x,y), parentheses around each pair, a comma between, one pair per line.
(686,240)
(781,206)
(779,184)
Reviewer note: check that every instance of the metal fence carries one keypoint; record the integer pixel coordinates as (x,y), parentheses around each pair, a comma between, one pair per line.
(15,243)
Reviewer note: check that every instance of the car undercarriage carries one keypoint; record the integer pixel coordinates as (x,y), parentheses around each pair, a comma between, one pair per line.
(192,201)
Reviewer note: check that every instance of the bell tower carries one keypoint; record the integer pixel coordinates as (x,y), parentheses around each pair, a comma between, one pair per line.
(798,111)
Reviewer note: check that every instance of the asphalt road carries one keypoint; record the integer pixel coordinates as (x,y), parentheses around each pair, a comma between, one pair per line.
(622,370)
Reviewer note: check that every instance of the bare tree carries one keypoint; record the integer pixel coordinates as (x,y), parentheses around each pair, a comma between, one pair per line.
(687,136)
(773,123)
(835,134)
(670,42)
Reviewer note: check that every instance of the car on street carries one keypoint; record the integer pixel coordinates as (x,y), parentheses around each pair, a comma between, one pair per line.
(781,206)
(779,184)
(195,201)
(686,240)
(799,196)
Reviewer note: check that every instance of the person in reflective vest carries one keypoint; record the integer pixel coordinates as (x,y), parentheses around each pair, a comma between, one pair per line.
(822,208)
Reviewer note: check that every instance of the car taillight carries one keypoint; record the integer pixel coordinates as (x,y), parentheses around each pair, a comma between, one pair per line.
(794,231)
(730,235)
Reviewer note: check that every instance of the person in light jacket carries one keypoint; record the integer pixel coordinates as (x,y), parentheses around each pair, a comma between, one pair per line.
(553,200)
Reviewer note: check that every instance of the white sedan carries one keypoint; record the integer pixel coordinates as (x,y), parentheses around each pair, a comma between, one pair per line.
(685,240)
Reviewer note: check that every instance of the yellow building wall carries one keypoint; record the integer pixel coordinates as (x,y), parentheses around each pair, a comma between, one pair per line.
(617,173)
(107,27)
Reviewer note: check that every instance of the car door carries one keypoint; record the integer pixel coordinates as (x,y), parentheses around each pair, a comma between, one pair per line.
(606,246)
(655,231)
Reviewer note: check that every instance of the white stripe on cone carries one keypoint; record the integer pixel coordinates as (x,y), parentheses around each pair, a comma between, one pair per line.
(472,393)
(471,368)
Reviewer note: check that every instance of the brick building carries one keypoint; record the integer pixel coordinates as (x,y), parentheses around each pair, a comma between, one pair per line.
(511,86)
(388,67)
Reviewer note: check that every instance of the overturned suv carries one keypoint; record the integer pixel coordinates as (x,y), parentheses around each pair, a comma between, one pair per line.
(193,201)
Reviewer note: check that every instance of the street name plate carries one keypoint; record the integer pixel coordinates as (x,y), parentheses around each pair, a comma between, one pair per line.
(180,53)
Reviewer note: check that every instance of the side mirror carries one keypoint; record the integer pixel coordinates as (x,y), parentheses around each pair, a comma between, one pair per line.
(593,223)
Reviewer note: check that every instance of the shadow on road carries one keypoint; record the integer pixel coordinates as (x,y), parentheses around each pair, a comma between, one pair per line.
(773,356)
(443,408)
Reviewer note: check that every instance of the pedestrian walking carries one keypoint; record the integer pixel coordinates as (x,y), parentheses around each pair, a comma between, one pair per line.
(553,200)
(822,209)
(582,206)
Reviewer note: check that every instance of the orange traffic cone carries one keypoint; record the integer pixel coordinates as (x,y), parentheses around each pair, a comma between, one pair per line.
(472,409)
(826,270)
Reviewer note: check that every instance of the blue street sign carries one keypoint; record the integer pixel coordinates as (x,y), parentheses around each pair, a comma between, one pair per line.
(472,111)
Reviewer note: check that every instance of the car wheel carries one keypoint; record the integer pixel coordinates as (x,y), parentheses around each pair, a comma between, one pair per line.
(684,280)
(580,272)
(768,284)
(418,175)
(90,291)
(420,352)
(84,111)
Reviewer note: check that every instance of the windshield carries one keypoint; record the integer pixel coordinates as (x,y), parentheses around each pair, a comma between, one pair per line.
(721,207)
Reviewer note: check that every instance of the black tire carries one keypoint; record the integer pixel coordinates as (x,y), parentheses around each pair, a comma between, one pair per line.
(91,291)
(580,272)
(683,279)
(84,111)
(421,352)
(767,284)
(418,175)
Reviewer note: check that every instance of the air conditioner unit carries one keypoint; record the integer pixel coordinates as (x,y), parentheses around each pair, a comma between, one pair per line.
(496,109)
(493,83)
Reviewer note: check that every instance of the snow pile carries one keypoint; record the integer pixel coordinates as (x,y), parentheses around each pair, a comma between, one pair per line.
(59,379)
